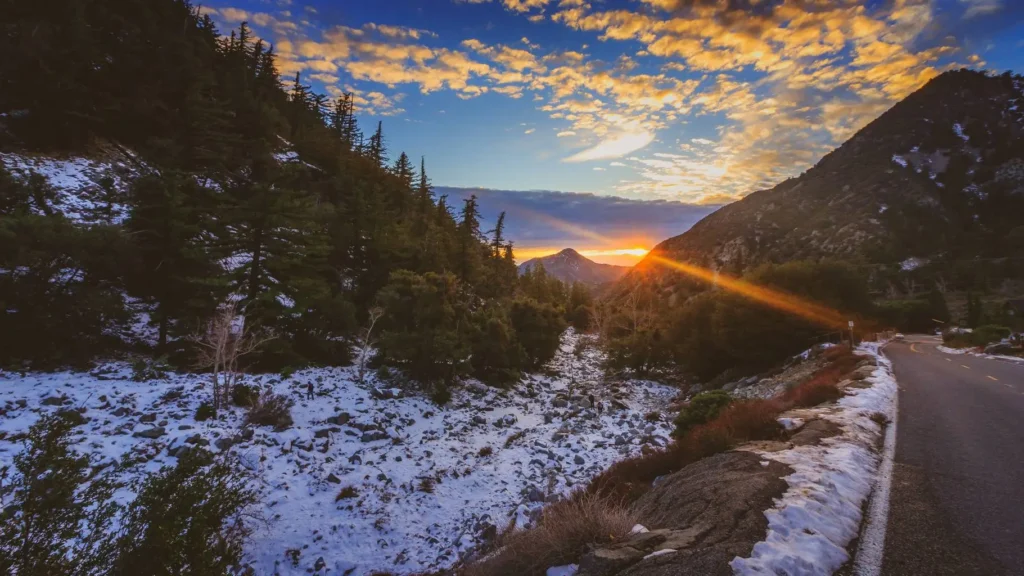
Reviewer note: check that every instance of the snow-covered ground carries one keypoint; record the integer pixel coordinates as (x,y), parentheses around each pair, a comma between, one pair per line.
(975,352)
(820,514)
(88,190)
(424,492)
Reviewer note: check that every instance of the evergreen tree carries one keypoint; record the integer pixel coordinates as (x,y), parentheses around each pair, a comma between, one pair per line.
(378,152)
(169,233)
(403,170)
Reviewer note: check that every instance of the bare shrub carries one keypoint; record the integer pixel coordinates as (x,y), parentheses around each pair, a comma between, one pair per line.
(564,532)
(221,345)
(347,492)
(486,451)
(269,409)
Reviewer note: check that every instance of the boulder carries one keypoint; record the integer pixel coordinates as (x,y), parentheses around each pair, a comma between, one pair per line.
(54,401)
(150,433)
(340,419)
(374,435)
(147,418)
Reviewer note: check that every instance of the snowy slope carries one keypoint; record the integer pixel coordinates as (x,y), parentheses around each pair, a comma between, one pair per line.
(385,450)
(89,190)
(820,514)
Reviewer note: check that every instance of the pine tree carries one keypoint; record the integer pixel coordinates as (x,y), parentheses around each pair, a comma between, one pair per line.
(403,169)
(469,240)
(377,151)
(177,271)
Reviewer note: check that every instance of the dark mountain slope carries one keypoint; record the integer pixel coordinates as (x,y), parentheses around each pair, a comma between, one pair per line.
(571,266)
(940,176)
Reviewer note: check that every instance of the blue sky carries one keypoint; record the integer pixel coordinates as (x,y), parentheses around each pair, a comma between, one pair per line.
(689,101)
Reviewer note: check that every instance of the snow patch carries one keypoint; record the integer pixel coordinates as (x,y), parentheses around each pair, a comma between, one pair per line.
(820,514)
(899,160)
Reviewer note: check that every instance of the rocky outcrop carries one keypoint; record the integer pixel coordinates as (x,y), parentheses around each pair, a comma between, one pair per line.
(701,518)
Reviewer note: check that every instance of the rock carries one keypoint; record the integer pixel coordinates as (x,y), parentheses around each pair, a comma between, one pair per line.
(535,494)
(814,431)
(479,419)
(185,427)
(150,433)
(320,564)
(223,444)
(120,412)
(333,479)
(246,434)
(506,421)
(374,435)
(147,418)
(340,419)
(579,460)
(325,432)
(54,401)
(197,440)
(560,403)
(21,402)
(620,441)
(604,561)
(861,373)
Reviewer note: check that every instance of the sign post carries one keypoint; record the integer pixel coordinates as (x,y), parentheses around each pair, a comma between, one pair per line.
(851,335)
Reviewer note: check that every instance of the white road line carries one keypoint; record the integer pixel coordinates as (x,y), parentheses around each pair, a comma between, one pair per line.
(871,549)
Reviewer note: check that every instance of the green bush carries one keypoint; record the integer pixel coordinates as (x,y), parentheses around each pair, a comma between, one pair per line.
(52,520)
(185,520)
(538,328)
(426,327)
(497,355)
(980,336)
(703,408)
(243,395)
(204,412)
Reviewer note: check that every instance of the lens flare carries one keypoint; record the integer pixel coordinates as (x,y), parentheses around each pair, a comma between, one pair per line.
(772,298)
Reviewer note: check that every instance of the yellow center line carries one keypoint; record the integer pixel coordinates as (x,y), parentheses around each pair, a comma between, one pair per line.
(965,366)
(913,348)
(994,379)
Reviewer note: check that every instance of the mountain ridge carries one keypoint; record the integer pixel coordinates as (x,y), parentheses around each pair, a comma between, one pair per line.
(934,177)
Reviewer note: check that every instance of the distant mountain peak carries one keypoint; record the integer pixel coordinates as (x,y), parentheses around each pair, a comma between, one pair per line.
(569,265)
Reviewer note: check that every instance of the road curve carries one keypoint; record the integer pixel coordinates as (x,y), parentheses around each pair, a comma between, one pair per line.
(957,499)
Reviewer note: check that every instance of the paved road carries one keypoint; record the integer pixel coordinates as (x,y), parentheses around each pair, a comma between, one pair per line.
(957,499)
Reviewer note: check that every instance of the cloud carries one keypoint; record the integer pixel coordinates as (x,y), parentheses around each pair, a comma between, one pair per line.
(981,7)
(583,221)
(615,146)
(530,131)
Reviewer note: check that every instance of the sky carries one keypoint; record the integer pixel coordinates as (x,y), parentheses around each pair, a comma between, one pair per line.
(657,111)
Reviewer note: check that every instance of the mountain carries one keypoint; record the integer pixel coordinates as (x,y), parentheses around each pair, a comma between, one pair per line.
(937,178)
(571,266)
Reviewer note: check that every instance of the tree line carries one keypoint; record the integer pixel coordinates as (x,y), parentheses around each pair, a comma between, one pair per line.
(246,188)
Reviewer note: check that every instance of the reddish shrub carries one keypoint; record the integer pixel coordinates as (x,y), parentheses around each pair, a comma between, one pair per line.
(813,393)
(751,420)
(628,479)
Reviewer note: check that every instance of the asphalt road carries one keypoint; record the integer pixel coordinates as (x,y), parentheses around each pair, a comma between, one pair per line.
(957,498)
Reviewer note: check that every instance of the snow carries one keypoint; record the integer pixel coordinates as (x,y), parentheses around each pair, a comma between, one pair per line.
(539,445)
(899,160)
(79,184)
(974,352)
(639,529)
(567,570)
(661,552)
(959,131)
(820,514)
(912,264)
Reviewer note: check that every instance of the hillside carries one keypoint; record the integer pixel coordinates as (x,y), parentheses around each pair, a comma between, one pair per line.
(940,176)
(571,266)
